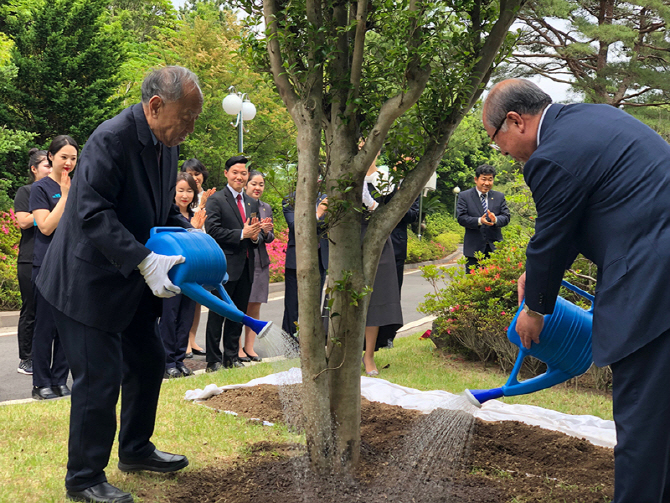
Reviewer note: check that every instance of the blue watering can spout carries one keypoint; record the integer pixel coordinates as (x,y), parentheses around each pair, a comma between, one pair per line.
(203,270)
(565,346)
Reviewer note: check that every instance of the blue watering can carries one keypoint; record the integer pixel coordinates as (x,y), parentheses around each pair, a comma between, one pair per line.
(565,346)
(203,270)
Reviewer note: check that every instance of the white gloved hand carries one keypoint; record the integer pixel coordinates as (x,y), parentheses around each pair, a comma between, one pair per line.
(155,270)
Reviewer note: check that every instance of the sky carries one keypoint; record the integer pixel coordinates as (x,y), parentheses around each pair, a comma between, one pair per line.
(558,92)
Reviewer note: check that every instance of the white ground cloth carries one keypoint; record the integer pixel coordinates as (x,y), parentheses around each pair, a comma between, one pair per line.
(595,430)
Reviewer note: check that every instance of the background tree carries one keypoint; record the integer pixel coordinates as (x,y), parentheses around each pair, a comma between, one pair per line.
(338,85)
(611,51)
(62,72)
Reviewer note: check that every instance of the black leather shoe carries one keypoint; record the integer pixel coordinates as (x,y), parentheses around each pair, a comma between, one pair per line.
(213,367)
(185,370)
(159,461)
(172,373)
(230,364)
(45,393)
(102,493)
(252,358)
(244,359)
(61,390)
(198,352)
(188,355)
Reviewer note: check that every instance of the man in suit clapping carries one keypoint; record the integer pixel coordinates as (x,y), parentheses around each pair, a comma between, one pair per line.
(483,212)
(232,220)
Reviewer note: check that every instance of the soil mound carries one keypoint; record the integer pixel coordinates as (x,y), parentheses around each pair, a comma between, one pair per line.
(505,462)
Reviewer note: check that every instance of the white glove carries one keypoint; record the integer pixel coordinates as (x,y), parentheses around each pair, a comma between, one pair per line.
(155,269)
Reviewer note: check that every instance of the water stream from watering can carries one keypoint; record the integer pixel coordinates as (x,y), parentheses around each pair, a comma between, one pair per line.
(423,466)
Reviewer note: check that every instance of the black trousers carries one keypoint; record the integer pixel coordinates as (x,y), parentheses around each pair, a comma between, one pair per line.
(641,411)
(27,316)
(174,326)
(103,363)
(239,292)
(291,300)
(50,366)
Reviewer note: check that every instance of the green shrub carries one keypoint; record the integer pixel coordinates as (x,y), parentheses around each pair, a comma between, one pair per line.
(449,240)
(424,250)
(10,298)
(440,223)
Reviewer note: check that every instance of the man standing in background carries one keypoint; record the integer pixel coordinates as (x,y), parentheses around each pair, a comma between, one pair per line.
(483,212)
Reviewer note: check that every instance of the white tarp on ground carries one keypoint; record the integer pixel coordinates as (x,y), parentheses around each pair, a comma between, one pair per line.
(595,430)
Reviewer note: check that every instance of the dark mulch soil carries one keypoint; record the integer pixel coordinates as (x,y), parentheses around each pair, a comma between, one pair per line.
(504,462)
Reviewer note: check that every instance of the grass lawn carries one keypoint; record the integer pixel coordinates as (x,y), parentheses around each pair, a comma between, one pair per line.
(33,439)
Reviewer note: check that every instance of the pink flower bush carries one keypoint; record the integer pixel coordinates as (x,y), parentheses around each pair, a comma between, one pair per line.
(277,252)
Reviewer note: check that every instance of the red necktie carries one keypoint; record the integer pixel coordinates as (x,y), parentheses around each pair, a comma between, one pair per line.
(240,206)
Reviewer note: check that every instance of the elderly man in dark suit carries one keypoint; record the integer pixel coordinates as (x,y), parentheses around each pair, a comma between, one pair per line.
(232,220)
(483,212)
(103,283)
(600,180)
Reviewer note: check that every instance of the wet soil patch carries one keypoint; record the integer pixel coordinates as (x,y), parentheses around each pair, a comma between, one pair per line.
(504,462)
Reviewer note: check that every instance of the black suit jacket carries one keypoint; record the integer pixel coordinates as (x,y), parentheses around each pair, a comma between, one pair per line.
(289,215)
(224,224)
(118,194)
(265,211)
(469,210)
(601,181)
(399,234)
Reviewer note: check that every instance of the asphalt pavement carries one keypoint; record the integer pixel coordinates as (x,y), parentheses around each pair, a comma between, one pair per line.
(15,386)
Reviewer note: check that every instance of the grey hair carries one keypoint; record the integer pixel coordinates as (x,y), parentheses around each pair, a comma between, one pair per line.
(167,83)
(520,96)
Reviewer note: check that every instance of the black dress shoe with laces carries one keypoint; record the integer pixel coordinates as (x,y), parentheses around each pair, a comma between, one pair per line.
(185,371)
(172,373)
(61,390)
(158,461)
(230,364)
(213,367)
(100,493)
(45,393)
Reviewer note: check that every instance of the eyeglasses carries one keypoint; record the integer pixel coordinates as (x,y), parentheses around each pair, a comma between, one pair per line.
(493,145)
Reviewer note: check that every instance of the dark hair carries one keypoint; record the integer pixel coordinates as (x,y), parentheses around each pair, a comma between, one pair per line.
(182,175)
(254,173)
(485,169)
(238,159)
(195,165)
(59,142)
(36,156)
(168,83)
(517,95)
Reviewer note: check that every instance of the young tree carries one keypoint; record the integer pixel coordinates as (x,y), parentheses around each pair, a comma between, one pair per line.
(67,61)
(611,51)
(347,69)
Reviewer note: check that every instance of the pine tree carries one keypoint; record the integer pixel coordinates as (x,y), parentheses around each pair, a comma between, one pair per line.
(67,60)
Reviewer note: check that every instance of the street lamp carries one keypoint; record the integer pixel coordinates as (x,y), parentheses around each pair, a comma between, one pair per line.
(238,104)
(456,191)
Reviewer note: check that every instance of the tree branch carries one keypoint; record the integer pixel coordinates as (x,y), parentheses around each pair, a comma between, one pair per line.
(284,86)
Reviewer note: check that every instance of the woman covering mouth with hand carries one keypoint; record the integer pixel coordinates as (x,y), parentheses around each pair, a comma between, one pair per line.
(47,202)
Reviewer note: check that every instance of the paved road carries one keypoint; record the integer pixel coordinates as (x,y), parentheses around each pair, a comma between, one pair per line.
(15,386)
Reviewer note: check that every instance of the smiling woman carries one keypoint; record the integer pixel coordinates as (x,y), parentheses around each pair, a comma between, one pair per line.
(47,202)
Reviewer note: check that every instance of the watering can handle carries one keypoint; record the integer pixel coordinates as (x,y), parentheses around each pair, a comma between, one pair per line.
(156,230)
(579,291)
